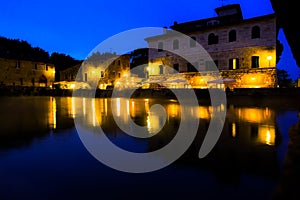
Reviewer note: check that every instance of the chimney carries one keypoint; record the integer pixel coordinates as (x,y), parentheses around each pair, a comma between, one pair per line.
(165,30)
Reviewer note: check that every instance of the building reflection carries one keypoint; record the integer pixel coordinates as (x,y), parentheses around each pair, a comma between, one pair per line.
(28,118)
(255,125)
(247,144)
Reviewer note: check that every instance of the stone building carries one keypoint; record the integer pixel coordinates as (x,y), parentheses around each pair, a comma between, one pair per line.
(26,73)
(70,73)
(106,72)
(243,50)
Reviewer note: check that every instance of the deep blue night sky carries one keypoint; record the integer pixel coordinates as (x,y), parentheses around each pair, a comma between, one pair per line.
(76,27)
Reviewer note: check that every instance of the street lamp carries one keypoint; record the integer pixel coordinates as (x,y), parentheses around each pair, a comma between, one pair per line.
(269,58)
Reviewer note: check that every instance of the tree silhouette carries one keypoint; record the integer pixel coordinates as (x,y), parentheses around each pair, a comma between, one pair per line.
(284,79)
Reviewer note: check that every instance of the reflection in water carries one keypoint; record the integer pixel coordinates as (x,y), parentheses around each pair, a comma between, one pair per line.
(255,124)
(247,145)
(27,118)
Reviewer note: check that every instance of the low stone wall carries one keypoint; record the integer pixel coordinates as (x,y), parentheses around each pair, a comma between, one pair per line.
(244,78)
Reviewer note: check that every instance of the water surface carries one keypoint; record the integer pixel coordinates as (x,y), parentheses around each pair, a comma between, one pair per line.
(42,156)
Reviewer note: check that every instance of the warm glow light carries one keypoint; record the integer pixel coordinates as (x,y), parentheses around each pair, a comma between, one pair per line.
(233,127)
(94,112)
(173,110)
(268,137)
(132,110)
(84,106)
(269,58)
(118,107)
(127,107)
(256,115)
(52,116)
(204,112)
(73,107)
(72,86)
(266,134)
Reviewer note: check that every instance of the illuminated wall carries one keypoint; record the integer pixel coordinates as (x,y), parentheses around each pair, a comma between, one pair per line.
(26,73)
(251,61)
(98,75)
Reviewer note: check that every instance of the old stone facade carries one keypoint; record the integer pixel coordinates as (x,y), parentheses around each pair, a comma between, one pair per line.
(71,73)
(26,73)
(106,72)
(243,50)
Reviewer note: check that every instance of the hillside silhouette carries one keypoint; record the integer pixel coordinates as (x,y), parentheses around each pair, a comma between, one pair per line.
(22,50)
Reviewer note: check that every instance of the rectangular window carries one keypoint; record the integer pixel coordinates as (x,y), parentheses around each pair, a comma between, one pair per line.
(233,63)
(85,77)
(255,62)
(102,74)
(46,67)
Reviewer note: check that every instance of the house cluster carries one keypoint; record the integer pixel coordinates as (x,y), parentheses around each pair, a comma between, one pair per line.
(26,73)
(242,50)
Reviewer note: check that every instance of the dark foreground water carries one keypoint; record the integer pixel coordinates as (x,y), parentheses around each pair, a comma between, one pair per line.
(42,156)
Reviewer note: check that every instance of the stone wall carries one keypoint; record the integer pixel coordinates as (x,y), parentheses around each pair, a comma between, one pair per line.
(241,78)
(26,73)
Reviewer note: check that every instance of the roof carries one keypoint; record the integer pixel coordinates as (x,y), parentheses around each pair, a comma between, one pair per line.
(201,25)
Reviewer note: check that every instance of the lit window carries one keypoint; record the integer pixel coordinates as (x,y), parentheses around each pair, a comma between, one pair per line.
(234,63)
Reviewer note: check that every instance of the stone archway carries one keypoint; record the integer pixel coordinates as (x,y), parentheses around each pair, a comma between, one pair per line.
(43,81)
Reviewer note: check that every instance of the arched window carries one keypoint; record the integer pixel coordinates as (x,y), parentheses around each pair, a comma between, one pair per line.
(193,42)
(175,44)
(213,39)
(255,33)
(160,46)
(232,36)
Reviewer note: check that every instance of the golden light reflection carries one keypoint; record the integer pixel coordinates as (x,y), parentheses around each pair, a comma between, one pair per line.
(84,106)
(52,112)
(105,106)
(118,105)
(94,112)
(256,115)
(132,110)
(173,110)
(73,107)
(266,134)
(127,107)
(204,112)
(153,123)
(233,128)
